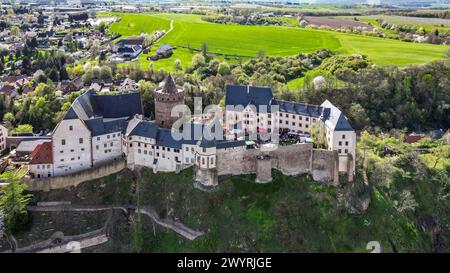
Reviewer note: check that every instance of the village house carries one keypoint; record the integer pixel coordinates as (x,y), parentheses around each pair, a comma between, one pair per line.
(68,86)
(41,163)
(164,51)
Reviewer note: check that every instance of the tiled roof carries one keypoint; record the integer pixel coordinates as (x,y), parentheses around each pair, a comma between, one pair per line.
(42,154)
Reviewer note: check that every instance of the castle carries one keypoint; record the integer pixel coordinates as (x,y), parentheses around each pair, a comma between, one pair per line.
(98,129)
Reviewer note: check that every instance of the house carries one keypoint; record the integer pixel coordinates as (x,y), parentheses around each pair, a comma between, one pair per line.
(164,51)
(127,85)
(8,90)
(413,138)
(95,87)
(28,90)
(68,86)
(41,163)
(131,41)
(129,52)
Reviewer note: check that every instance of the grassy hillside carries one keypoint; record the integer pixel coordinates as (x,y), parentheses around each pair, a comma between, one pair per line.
(247,41)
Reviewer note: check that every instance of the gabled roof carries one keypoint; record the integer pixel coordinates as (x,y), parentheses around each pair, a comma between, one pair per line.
(248,95)
(42,154)
(91,105)
(335,120)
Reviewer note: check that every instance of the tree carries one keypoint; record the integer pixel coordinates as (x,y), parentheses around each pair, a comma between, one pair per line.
(54,75)
(204,49)
(224,69)
(358,116)
(24,129)
(440,152)
(103,27)
(9,119)
(15,31)
(198,60)
(13,203)
(178,65)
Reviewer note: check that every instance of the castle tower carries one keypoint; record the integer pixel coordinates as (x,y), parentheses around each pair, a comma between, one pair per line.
(167,96)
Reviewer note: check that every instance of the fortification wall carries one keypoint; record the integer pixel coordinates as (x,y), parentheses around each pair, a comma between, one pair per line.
(60,182)
(290,160)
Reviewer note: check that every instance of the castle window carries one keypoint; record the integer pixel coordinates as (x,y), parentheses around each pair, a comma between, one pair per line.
(168,149)
(307,119)
(340,143)
(203,161)
(96,147)
(107,136)
(145,152)
(62,160)
(293,123)
(114,135)
(70,128)
(61,152)
(98,138)
(346,143)
(139,151)
(105,145)
(72,159)
(301,118)
(204,150)
(111,144)
(346,151)
(340,151)
(72,151)
(63,142)
(307,126)
(187,149)
(186,160)
(343,136)
(81,141)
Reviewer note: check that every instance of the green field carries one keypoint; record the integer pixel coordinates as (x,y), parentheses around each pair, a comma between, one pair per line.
(247,41)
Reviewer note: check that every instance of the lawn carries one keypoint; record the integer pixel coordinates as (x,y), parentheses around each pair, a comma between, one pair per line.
(247,41)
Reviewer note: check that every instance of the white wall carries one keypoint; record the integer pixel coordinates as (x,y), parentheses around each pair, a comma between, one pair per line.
(71,156)
(107,147)
(41,170)
(3,135)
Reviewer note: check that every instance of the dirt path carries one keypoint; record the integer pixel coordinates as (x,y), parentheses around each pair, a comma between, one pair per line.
(170,29)
(173,225)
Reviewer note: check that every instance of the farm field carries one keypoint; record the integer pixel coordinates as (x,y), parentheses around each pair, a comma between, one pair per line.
(426,23)
(246,41)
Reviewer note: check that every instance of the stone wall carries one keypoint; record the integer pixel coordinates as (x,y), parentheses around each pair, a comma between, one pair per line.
(60,182)
(297,159)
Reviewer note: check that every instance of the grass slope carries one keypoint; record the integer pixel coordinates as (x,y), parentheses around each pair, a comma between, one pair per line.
(191,31)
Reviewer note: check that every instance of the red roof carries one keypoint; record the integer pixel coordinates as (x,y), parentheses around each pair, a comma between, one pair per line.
(42,154)
(413,138)
(7,90)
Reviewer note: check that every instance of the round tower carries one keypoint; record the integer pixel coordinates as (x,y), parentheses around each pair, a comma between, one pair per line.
(167,96)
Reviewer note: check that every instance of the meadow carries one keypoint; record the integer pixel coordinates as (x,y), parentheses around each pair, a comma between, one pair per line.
(237,41)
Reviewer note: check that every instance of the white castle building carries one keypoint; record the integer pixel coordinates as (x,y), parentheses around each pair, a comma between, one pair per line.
(98,129)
